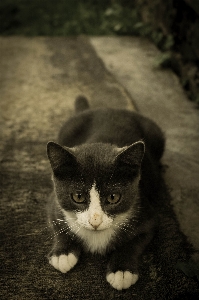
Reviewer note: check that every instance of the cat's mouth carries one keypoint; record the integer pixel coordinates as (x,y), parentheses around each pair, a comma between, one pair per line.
(97,228)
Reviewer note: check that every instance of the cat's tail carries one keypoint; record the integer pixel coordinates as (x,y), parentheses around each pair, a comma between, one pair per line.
(81,104)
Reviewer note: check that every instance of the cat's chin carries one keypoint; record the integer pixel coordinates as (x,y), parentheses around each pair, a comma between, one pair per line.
(96,241)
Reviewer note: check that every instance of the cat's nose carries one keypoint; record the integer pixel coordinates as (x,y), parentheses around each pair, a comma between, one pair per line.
(95,220)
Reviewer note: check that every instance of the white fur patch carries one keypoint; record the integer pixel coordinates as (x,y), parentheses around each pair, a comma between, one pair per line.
(121,280)
(63,263)
(95,241)
(95,228)
(94,218)
(95,211)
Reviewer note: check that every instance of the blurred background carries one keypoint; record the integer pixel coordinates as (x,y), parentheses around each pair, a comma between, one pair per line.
(172,25)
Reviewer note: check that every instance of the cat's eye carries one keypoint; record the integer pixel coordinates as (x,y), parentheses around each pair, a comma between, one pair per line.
(113,198)
(78,198)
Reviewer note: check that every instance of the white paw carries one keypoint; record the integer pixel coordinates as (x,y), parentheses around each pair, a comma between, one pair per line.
(121,280)
(63,263)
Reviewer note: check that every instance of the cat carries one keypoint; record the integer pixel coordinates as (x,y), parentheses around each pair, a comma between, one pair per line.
(105,173)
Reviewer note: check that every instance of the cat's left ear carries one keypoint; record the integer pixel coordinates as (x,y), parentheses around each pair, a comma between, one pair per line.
(62,160)
(132,155)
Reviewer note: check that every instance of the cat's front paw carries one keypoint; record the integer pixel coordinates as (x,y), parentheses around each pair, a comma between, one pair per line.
(121,280)
(63,262)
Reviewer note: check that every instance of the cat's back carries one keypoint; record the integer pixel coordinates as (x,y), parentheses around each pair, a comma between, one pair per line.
(105,125)
(108,125)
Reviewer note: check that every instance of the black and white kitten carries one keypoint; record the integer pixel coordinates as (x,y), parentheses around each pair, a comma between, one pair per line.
(105,174)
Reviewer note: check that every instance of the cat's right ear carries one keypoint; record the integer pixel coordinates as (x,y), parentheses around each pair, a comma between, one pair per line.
(62,160)
(132,155)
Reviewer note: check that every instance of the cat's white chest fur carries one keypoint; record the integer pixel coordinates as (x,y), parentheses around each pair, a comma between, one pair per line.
(93,226)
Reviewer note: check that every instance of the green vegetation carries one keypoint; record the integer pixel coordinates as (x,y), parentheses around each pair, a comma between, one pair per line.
(73,17)
(66,17)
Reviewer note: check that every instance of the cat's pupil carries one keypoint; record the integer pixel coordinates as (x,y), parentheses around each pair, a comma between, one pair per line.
(78,198)
(114,198)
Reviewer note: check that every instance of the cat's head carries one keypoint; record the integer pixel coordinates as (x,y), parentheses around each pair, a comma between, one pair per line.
(96,184)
